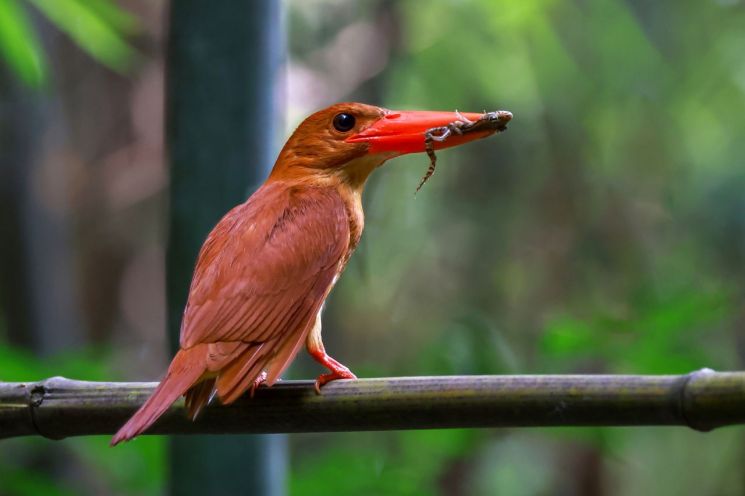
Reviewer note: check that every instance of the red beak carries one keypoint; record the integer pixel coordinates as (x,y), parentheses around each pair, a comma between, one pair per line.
(404,132)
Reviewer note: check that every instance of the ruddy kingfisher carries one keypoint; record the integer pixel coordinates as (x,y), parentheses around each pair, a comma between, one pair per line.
(267,267)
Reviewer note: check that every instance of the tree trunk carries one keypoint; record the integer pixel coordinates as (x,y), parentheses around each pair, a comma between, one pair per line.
(221,118)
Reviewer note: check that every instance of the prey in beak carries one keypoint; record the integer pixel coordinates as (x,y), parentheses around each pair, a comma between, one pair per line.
(403,132)
(489,121)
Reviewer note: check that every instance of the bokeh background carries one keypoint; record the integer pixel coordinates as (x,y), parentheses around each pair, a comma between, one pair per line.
(603,232)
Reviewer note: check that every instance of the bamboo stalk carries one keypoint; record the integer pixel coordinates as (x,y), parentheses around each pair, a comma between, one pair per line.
(703,400)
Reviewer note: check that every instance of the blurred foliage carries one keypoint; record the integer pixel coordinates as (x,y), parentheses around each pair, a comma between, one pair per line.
(80,466)
(99,27)
(420,459)
(662,338)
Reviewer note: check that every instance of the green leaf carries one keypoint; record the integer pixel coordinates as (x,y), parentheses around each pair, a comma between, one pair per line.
(20,46)
(93,26)
(111,14)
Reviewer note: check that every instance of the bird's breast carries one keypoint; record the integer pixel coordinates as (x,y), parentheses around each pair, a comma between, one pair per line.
(356,219)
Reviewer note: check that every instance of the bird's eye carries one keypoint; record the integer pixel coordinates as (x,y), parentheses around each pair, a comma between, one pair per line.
(344,122)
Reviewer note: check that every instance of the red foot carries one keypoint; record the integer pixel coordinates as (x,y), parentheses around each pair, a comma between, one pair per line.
(343,373)
(257,382)
(338,371)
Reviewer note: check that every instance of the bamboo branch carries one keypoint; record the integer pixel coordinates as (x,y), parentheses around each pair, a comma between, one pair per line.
(703,400)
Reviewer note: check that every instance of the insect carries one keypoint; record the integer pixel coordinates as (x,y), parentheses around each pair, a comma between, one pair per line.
(490,121)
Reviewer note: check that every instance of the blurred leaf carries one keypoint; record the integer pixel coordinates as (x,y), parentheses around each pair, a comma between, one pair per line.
(94,27)
(110,13)
(19,44)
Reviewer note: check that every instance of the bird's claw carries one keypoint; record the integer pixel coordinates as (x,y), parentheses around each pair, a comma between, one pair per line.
(261,379)
(336,373)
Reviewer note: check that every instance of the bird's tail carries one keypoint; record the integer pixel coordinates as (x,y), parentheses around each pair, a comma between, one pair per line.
(185,370)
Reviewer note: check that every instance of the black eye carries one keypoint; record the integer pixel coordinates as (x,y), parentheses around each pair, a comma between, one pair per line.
(344,122)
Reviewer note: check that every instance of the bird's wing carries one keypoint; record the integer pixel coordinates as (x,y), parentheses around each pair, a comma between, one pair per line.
(264,272)
(260,280)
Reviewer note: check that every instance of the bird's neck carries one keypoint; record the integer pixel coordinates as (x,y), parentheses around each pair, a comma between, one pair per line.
(348,180)
(352,174)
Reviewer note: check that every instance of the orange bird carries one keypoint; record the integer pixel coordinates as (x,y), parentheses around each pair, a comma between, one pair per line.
(266,268)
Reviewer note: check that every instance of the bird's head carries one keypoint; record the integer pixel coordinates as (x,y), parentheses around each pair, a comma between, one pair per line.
(347,141)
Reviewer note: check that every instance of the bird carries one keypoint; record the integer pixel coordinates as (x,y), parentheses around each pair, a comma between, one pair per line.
(265,270)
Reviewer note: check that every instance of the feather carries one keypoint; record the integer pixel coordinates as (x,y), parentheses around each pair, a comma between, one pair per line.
(199,396)
(185,370)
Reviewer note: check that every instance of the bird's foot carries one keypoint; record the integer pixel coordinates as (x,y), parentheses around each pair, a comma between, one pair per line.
(338,371)
(257,382)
